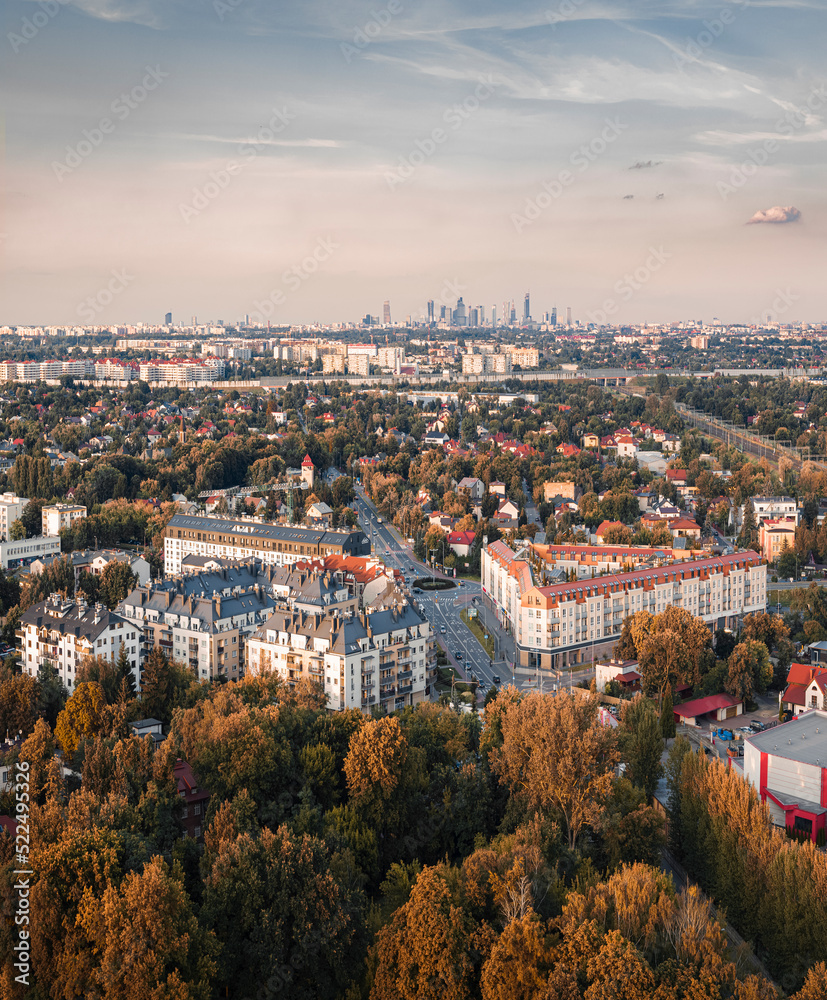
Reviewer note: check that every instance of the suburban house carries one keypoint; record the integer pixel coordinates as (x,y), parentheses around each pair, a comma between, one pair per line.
(461,542)
(806,686)
(623,671)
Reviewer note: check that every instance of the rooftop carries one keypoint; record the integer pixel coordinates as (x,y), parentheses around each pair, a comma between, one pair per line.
(803,740)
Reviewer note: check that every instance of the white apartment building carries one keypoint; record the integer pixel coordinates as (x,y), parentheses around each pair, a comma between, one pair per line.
(473,364)
(11,507)
(358,364)
(525,357)
(333,364)
(364,660)
(773,508)
(177,370)
(63,631)
(39,547)
(114,370)
(60,515)
(390,357)
(277,544)
(201,621)
(568,623)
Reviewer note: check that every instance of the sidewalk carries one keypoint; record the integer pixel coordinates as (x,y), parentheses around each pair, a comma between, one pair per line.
(506,646)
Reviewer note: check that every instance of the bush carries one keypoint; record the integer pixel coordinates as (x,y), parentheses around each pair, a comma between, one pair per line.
(774,579)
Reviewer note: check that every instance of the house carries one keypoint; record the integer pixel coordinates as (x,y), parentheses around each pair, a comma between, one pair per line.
(436,438)
(497,488)
(461,542)
(566,490)
(684,527)
(806,686)
(149,727)
(475,487)
(623,671)
(507,514)
(568,450)
(788,766)
(676,476)
(319,514)
(196,799)
(591,441)
(775,535)
(626,446)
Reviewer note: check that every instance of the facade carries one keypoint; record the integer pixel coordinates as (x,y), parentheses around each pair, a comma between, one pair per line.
(201,620)
(566,490)
(589,561)
(788,766)
(333,364)
(569,623)
(769,508)
(60,515)
(196,800)
(95,562)
(358,364)
(11,507)
(39,547)
(775,535)
(244,538)
(364,661)
(62,632)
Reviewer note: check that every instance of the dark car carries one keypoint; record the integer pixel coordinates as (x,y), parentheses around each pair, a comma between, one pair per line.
(496,679)
(757,726)
(457,655)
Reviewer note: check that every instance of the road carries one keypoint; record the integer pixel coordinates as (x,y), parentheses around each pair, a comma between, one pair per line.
(442,609)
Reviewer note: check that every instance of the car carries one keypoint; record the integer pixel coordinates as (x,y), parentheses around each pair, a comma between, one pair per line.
(443,629)
(496,679)
(417,590)
(747,730)
(457,654)
(757,726)
(461,584)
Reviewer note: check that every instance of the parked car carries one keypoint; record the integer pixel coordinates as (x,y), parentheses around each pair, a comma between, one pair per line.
(757,726)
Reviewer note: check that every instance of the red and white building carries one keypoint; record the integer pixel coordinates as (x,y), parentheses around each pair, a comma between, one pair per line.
(806,688)
(788,766)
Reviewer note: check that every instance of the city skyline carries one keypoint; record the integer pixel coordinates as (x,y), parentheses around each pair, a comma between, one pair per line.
(325,160)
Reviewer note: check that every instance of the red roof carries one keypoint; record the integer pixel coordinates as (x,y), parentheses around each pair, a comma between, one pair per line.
(461,537)
(700,706)
(606,525)
(676,475)
(307,460)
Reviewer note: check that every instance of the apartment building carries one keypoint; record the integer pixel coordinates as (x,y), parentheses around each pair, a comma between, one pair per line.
(57,516)
(365,660)
(11,507)
(568,623)
(333,364)
(39,547)
(201,620)
(589,561)
(358,364)
(62,632)
(525,357)
(178,370)
(775,535)
(244,538)
(772,508)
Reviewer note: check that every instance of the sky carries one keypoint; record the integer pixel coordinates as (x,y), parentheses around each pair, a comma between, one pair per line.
(302,162)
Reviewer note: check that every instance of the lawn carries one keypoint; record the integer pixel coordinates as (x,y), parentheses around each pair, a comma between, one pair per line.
(784,596)
(485,639)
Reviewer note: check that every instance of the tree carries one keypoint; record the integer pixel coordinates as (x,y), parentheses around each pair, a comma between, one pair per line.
(155,686)
(749,670)
(18,703)
(123,668)
(641,745)
(788,563)
(557,755)
(663,659)
(667,716)
(748,539)
(17,531)
(81,718)
(117,580)
(764,627)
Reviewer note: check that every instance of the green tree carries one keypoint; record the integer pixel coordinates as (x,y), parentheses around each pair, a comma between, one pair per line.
(667,716)
(748,670)
(17,531)
(123,669)
(641,745)
(117,580)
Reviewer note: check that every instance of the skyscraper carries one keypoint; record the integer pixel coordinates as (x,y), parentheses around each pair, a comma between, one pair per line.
(493,317)
(474,317)
(526,308)
(554,316)
(459,316)
(481,314)
(386,313)
(168,319)
(512,316)
(430,312)
(568,316)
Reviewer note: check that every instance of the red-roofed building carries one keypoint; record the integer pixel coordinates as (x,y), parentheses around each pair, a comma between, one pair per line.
(806,688)
(195,798)
(568,450)
(719,707)
(461,542)
(676,476)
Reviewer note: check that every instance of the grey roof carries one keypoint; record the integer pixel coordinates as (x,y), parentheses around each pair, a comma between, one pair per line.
(192,597)
(796,800)
(803,739)
(70,618)
(280,532)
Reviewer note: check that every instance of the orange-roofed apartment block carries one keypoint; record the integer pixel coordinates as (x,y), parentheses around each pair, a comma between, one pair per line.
(579,622)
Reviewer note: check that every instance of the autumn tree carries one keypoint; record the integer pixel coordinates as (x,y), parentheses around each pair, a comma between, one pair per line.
(667,716)
(764,627)
(81,718)
(641,745)
(748,670)
(557,755)
(663,659)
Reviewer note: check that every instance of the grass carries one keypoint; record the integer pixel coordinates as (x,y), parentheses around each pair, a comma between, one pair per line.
(486,641)
(784,596)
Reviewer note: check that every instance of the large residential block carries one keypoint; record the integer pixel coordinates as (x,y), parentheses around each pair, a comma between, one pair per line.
(364,660)
(57,516)
(569,623)
(11,507)
(188,534)
(62,632)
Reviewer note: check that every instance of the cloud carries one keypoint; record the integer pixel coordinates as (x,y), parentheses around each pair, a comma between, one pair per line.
(776,214)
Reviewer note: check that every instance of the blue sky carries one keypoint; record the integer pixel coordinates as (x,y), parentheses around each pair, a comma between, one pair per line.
(207,150)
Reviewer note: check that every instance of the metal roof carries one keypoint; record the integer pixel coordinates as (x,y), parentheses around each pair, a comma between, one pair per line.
(803,739)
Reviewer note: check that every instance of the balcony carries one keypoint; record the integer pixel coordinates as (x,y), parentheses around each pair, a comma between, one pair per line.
(404,674)
(404,689)
(387,693)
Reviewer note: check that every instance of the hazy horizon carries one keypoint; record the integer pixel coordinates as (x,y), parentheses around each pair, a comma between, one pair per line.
(208,157)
